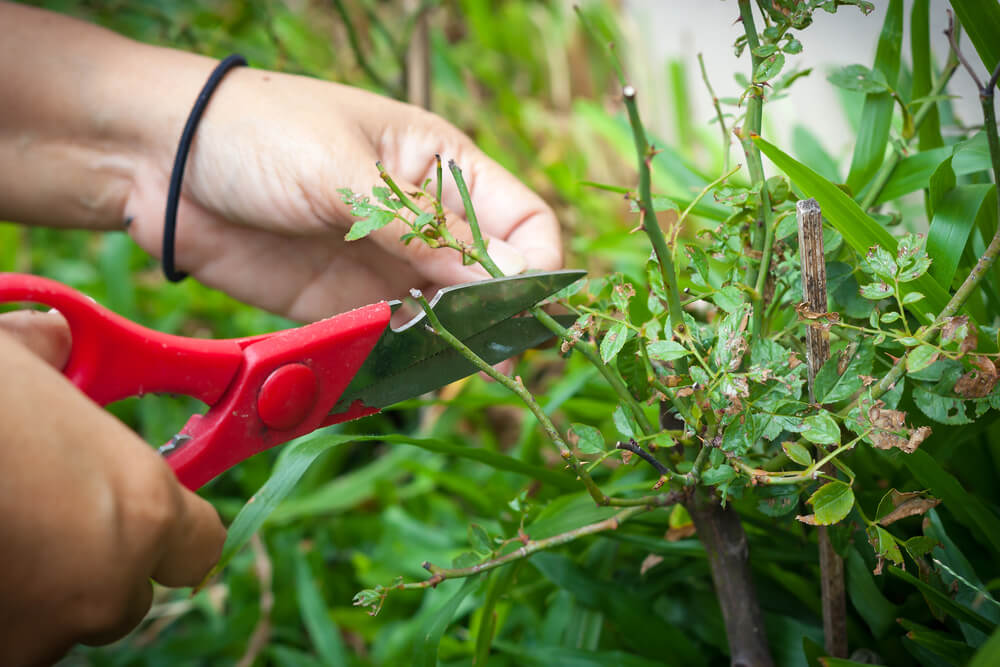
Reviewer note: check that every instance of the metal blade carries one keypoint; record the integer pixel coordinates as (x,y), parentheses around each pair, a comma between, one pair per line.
(413,360)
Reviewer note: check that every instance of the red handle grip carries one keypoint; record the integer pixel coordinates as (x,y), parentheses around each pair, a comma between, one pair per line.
(113,358)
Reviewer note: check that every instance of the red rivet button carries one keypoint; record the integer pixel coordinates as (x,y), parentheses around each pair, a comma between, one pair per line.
(287,396)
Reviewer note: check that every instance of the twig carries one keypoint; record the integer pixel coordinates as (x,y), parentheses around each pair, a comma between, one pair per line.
(726,140)
(632,446)
(527,548)
(831,565)
(470,216)
(649,222)
(519,389)
(262,631)
(953,42)
(761,242)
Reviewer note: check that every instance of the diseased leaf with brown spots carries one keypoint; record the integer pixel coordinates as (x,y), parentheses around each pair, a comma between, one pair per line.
(909,507)
(959,328)
(978,382)
(890,430)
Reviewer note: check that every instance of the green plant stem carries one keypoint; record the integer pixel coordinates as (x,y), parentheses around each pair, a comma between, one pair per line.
(718,114)
(649,222)
(609,374)
(518,389)
(810,473)
(885,171)
(761,242)
(439,574)
(694,202)
(470,216)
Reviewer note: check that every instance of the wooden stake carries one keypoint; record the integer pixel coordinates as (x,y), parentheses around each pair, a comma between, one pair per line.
(831,565)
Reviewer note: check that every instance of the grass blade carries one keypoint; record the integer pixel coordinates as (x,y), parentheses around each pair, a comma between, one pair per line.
(876,116)
(954,609)
(425,652)
(929,135)
(954,217)
(981,20)
(323,633)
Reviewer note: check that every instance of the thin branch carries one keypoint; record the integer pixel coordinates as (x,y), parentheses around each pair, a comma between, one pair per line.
(527,548)
(761,242)
(632,446)
(470,215)
(649,222)
(726,140)
(953,41)
(519,389)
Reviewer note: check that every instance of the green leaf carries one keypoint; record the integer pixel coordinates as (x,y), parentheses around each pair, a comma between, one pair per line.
(614,340)
(666,350)
(915,171)
(959,612)
(769,67)
(988,654)
(437,621)
(912,297)
(858,78)
(876,291)
(981,20)
(633,369)
(378,219)
(589,439)
(943,409)
(797,452)
(721,475)
(879,261)
(859,230)
(920,358)
(324,634)
(832,502)
(729,298)
(479,539)
(625,423)
(777,499)
(884,544)
(821,429)
(876,114)
(877,611)
(955,215)
(954,652)
(731,341)
(929,133)
(831,386)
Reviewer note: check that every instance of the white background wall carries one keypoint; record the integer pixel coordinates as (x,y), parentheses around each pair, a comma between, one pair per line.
(667,29)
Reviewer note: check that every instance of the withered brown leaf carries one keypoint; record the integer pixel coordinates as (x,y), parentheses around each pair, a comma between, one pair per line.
(978,382)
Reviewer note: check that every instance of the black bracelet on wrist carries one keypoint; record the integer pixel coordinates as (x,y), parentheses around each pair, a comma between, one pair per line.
(176,176)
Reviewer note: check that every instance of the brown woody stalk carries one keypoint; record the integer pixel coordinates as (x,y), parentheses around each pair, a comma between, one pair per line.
(831,565)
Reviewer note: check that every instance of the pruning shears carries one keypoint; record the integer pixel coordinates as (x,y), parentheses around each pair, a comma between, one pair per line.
(265,390)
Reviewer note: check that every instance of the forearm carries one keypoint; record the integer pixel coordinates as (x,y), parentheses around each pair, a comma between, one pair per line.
(84,109)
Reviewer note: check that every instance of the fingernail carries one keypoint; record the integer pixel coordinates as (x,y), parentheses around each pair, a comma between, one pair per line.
(507,258)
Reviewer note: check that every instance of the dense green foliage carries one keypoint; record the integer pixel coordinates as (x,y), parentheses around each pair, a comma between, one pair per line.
(470,476)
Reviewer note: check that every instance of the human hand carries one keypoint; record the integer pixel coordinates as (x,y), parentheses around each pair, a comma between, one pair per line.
(261,218)
(91,512)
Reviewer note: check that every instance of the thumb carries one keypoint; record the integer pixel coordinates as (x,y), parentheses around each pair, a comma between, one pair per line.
(46,334)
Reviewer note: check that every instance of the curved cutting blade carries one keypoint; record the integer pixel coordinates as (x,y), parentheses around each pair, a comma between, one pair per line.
(412,360)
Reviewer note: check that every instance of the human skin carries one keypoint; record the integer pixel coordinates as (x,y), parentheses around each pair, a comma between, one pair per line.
(88,130)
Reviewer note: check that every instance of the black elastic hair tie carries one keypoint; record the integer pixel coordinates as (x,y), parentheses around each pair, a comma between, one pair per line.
(180,160)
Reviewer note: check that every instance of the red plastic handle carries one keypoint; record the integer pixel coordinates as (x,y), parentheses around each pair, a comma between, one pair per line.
(287,387)
(114,358)
(263,390)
